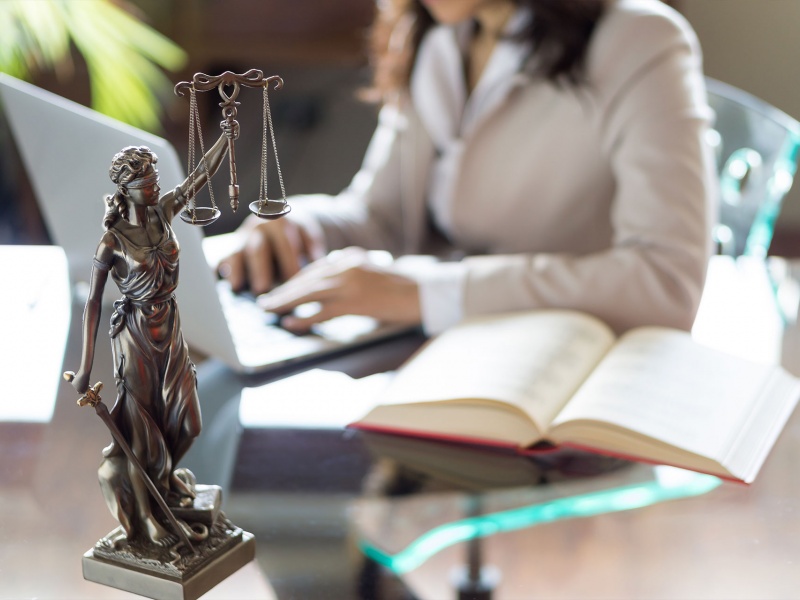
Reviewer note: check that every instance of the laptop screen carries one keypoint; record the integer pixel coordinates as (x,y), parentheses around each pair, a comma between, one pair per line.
(67,149)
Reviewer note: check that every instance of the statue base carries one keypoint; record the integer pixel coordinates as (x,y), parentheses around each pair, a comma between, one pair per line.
(172,571)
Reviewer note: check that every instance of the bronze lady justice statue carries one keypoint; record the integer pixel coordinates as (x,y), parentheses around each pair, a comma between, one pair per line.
(173,540)
(157,408)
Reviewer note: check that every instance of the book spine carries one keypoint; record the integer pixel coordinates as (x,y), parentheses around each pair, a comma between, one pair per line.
(646,461)
(459,439)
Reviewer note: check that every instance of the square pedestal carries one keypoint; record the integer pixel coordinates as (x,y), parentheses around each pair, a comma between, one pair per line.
(163,586)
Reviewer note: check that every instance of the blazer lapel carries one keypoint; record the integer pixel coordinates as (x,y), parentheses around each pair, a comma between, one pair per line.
(501,75)
(437,85)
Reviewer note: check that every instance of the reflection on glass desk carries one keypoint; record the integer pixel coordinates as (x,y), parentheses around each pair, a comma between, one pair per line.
(384,532)
(341,515)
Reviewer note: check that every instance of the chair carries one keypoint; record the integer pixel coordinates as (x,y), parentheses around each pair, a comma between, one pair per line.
(757,148)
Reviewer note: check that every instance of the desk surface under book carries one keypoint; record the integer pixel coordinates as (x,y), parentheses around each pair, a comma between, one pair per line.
(343,515)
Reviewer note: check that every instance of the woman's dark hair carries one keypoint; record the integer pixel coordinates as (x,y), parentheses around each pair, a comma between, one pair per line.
(559,33)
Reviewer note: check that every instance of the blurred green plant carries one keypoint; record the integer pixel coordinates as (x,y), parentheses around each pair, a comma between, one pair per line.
(124,56)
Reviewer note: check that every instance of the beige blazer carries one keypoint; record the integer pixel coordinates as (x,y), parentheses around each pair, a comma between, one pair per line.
(598,198)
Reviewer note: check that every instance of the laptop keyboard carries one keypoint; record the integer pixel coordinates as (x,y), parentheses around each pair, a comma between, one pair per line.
(260,340)
(251,327)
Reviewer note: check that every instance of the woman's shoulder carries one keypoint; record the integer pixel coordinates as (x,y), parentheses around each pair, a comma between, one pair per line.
(633,33)
(647,20)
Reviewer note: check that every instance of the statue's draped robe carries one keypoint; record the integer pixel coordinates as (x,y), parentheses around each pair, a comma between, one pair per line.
(157,407)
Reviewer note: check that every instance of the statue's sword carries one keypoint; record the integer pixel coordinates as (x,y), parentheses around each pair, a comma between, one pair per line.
(92,398)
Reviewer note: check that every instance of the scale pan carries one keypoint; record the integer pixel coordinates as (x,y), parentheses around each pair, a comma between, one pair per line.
(269,209)
(202,215)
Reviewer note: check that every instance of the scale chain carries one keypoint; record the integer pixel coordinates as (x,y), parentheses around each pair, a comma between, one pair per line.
(267,124)
(274,146)
(195,130)
(203,152)
(202,83)
(190,201)
(263,183)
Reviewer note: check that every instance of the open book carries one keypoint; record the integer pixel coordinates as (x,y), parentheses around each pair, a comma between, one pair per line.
(533,379)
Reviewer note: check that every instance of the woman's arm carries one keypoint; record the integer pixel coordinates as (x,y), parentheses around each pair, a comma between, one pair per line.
(381,209)
(103,261)
(383,206)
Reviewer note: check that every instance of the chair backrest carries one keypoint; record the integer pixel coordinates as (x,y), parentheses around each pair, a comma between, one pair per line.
(757,152)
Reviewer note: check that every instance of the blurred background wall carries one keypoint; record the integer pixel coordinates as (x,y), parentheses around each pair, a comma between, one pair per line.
(754,45)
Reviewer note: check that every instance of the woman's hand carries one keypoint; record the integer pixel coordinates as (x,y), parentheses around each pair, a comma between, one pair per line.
(346,283)
(271,252)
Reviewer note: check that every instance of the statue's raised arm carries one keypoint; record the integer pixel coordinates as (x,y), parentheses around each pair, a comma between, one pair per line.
(178,199)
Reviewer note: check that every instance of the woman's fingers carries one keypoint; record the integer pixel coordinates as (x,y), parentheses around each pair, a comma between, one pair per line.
(312,246)
(271,252)
(259,261)
(327,311)
(232,269)
(287,249)
(290,295)
(345,286)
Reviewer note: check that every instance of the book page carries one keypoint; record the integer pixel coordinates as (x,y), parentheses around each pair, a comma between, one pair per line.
(662,384)
(533,361)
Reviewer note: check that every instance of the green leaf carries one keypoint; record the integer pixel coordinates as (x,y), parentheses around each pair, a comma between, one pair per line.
(124,56)
(44,27)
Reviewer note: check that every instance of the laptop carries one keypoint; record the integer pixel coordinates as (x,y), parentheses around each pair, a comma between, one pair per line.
(67,149)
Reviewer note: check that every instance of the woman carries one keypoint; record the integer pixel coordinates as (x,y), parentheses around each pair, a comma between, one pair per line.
(157,407)
(552,152)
